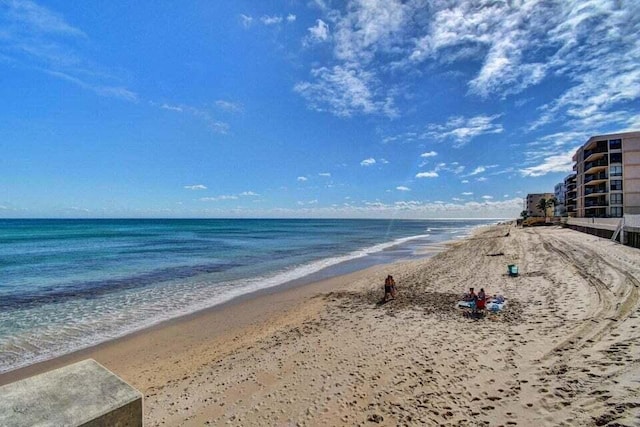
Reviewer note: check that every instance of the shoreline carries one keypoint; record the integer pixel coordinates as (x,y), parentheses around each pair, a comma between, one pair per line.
(318,270)
(257,303)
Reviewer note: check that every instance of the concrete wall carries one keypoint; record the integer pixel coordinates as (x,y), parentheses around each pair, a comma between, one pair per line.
(82,394)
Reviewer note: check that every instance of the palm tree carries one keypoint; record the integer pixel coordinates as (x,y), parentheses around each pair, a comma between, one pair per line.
(551,203)
(542,205)
(524,214)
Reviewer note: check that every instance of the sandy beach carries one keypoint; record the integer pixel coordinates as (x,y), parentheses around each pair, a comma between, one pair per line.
(563,352)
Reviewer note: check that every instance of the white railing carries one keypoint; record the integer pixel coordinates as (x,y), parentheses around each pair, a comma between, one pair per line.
(601,223)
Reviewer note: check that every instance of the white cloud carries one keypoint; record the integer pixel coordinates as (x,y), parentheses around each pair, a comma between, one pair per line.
(467,193)
(203,115)
(291,17)
(368,162)
(218,198)
(175,108)
(481,179)
(383,161)
(429,154)
(554,163)
(402,188)
(345,91)
(38,19)
(195,187)
(325,174)
(232,107)
(478,170)
(302,178)
(248,194)
(432,174)
(462,130)
(246,20)
(271,20)
(319,32)
(487,197)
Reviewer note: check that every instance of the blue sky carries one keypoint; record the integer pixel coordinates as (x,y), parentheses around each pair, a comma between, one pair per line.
(366,108)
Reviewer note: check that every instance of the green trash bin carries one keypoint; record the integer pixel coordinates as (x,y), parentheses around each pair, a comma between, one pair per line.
(512,269)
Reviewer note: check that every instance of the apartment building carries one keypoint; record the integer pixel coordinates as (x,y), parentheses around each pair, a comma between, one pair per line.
(532,201)
(607,177)
(570,194)
(559,192)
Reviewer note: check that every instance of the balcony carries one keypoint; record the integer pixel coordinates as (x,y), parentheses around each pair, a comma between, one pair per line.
(600,202)
(596,166)
(570,187)
(595,179)
(595,191)
(595,150)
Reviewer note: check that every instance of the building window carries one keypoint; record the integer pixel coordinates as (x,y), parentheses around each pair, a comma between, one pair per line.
(615,171)
(616,212)
(615,144)
(616,184)
(616,198)
(615,158)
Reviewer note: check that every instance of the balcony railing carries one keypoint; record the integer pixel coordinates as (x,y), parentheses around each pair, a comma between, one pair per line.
(600,203)
(601,162)
(597,150)
(596,176)
(595,190)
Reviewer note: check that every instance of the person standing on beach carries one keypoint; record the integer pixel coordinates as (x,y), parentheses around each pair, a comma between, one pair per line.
(389,288)
(393,287)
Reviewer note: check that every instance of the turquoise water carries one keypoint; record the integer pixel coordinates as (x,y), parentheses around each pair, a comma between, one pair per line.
(68,284)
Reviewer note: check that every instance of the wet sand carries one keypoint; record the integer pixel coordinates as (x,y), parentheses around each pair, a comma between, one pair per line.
(563,352)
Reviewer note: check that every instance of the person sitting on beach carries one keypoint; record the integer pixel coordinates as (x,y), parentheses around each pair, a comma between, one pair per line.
(481,300)
(470,296)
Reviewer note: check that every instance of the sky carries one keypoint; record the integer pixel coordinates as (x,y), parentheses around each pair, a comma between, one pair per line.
(310,108)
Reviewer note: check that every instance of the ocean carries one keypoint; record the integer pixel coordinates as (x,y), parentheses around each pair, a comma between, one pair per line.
(70,284)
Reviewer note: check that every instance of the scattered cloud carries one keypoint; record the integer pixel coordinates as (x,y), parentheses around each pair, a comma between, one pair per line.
(218,198)
(195,187)
(271,20)
(319,32)
(248,194)
(553,163)
(477,170)
(246,20)
(302,178)
(205,116)
(429,154)
(325,174)
(467,193)
(461,130)
(432,174)
(36,38)
(402,188)
(487,197)
(345,91)
(232,107)
(368,162)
